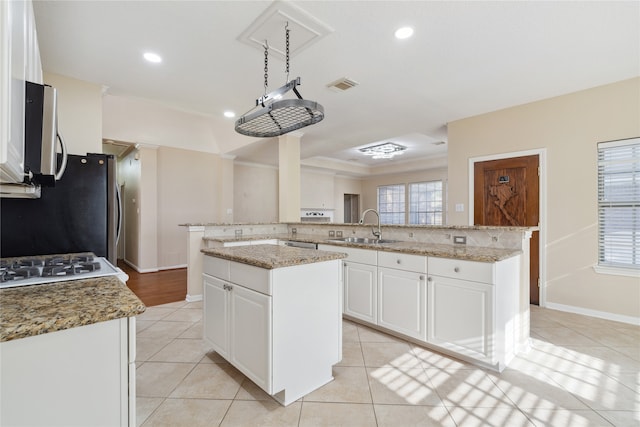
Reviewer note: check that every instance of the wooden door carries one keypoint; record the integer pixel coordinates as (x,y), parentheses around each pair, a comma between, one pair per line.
(507,193)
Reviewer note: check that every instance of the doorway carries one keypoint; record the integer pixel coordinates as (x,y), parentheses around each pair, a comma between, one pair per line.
(351,208)
(506,192)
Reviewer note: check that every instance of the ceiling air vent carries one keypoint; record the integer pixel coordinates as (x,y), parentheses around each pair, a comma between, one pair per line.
(342,84)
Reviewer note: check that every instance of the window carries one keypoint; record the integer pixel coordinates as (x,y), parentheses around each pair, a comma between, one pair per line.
(391,204)
(619,204)
(425,203)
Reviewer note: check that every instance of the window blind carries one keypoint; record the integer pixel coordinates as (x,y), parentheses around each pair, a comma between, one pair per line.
(619,204)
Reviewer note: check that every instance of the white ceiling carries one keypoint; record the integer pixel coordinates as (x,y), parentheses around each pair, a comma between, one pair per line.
(465,59)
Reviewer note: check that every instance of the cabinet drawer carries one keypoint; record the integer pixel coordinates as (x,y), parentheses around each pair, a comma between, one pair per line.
(461,269)
(363,256)
(399,261)
(216,267)
(249,276)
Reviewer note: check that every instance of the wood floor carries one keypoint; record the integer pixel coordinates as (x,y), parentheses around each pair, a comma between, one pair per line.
(157,288)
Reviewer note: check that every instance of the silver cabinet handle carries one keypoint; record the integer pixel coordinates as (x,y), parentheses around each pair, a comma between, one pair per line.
(398,262)
(421,277)
(457,269)
(429,279)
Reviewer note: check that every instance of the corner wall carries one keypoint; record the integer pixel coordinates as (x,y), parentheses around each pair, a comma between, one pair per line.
(569,127)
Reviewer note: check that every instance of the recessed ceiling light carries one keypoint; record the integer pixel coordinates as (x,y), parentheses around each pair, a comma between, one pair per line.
(152,57)
(229,114)
(404,33)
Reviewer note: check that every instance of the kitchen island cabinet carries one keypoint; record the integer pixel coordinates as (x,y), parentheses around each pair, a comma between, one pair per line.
(275,313)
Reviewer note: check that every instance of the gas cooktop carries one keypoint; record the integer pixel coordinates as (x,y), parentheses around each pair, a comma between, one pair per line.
(36,270)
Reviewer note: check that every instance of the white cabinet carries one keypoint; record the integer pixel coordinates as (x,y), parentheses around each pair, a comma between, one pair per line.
(19,61)
(83,376)
(360,281)
(281,327)
(216,314)
(461,316)
(250,329)
(473,308)
(361,291)
(237,324)
(402,296)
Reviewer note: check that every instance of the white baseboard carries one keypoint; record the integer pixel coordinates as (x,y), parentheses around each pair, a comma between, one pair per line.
(153,270)
(594,313)
(193,298)
(173,267)
(138,269)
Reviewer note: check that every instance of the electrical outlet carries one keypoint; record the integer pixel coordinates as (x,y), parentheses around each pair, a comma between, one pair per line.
(332,233)
(338,233)
(294,230)
(238,233)
(462,240)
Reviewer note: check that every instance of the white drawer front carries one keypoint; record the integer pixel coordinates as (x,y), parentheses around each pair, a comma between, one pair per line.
(461,269)
(399,261)
(363,256)
(256,278)
(216,267)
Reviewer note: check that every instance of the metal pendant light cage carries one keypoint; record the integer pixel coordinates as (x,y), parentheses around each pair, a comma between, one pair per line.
(276,118)
(273,116)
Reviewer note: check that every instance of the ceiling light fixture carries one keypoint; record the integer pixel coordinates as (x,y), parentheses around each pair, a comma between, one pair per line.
(275,116)
(383,151)
(404,33)
(229,114)
(152,57)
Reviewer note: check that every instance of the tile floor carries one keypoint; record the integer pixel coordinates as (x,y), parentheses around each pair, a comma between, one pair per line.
(581,371)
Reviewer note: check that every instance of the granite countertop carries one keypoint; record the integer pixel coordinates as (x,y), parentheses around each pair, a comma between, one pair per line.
(272,256)
(38,309)
(464,252)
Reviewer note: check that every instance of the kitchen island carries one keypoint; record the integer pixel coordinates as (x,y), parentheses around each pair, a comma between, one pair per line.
(275,313)
(67,353)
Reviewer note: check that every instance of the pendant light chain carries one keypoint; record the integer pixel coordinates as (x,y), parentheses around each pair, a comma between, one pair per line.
(287,45)
(266,66)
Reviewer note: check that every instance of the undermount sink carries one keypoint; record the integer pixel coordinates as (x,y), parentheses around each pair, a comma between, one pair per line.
(364,240)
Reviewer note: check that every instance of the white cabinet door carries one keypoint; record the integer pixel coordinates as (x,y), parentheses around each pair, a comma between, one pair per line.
(13,39)
(216,314)
(461,316)
(251,339)
(402,302)
(360,291)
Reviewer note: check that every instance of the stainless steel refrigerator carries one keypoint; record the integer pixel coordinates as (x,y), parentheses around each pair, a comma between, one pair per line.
(80,214)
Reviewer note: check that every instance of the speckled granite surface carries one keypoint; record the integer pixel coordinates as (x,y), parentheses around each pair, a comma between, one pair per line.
(469,253)
(33,310)
(272,256)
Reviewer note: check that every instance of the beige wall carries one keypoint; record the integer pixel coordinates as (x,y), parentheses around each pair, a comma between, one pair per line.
(255,197)
(569,128)
(79,113)
(140,121)
(129,177)
(187,193)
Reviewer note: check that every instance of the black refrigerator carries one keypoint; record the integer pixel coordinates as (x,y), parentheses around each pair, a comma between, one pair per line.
(80,214)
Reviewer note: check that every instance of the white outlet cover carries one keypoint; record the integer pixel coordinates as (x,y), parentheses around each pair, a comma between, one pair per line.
(459,207)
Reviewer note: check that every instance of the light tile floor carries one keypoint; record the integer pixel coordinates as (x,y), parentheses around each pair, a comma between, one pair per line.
(581,371)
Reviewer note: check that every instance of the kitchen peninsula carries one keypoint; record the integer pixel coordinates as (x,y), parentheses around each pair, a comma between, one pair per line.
(469,300)
(274,312)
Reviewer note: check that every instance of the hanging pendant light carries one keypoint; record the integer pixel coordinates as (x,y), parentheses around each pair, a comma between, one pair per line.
(274,116)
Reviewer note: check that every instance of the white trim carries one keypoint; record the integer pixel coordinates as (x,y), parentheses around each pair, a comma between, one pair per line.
(542,156)
(193,298)
(172,267)
(615,271)
(138,269)
(595,313)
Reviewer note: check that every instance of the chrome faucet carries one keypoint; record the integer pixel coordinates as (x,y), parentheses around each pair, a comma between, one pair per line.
(378,233)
